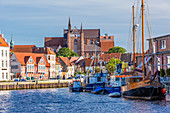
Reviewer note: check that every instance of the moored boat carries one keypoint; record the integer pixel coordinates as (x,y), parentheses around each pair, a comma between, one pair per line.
(75,86)
(149,88)
(115,94)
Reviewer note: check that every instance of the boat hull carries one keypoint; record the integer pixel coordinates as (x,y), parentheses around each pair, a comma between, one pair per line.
(146,93)
(91,87)
(79,89)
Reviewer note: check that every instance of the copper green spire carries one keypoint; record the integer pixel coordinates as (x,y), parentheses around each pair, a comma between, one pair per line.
(11,42)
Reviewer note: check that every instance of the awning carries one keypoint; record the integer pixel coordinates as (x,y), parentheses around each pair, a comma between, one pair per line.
(146,60)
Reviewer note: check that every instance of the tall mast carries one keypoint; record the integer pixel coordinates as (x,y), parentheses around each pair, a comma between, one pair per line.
(143,40)
(133,37)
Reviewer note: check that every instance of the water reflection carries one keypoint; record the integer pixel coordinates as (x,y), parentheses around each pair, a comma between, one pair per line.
(60,100)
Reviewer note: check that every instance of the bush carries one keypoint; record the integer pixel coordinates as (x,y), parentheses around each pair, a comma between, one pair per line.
(168,72)
(162,73)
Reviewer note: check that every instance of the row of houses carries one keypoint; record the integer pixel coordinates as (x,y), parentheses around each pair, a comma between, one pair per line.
(31,62)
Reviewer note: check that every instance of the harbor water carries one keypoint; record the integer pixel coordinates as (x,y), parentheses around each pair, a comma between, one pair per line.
(63,101)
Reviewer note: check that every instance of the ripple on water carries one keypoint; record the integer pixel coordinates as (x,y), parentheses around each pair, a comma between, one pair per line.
(62,101)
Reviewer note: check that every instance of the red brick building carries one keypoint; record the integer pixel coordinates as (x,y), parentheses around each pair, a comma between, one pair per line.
(84,42)
(159,52)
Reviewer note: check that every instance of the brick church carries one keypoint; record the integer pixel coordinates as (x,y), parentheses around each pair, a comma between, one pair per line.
(84,42)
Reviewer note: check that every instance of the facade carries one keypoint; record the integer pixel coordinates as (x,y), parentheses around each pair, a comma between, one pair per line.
(58,69)
(159,53)
(4,59)
(84,42)
(50,56)
(68,68)
(30,65)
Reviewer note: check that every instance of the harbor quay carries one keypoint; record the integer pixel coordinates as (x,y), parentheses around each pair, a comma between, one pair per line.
(34,84)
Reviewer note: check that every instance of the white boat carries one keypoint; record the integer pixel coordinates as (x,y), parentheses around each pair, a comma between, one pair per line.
(115,94)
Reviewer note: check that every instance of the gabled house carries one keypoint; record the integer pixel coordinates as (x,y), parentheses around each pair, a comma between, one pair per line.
(68,67)
(29,66)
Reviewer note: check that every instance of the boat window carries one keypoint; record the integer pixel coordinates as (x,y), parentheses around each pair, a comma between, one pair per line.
(117,79)
(98,79)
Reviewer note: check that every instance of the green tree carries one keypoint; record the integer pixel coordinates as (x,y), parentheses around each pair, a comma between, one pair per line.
(162,72)
(168,72)
(111,66)
(66,52)
(97,70)
(117,49)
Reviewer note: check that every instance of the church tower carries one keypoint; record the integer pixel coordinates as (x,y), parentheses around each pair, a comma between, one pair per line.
(68,35)
(11,43)
(82,40)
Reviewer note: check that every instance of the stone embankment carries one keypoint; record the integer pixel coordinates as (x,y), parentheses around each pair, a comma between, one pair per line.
(34,84)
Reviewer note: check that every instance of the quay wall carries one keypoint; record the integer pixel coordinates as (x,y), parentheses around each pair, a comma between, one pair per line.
(34,85)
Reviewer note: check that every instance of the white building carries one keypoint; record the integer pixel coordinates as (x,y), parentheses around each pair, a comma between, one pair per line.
(4,59)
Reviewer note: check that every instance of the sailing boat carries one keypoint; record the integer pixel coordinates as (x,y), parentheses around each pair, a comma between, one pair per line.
(148,88)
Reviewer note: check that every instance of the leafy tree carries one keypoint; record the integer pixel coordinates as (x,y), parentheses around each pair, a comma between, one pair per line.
(97,70)
(66,52)
(117,49)
(111,66)
(162,72)
(168,72)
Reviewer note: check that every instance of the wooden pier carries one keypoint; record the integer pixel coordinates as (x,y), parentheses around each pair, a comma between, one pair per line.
(34,85)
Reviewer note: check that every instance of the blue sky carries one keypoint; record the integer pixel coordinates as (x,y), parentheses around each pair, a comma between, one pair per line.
(31,20)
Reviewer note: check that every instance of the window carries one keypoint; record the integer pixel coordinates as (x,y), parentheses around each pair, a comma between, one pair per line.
(168,61)
(14,60)
(2,63)
(6,75)
(91,42)
(48,57)
(163,44)
(41,61)
(2,53)
(30,60)
(6,53)
(153,47)
(158,63)
(6,64)
(2,75)
(14,67)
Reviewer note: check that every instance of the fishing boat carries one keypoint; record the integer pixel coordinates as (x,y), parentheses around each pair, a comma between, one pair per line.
(149,88)
(94,80)
(75,86)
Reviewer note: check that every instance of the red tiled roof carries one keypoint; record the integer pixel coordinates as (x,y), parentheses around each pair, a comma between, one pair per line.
(23,48)
(73,59)
(2,42)
(88,62)
(66,61)
(107,57)
(89,33)
(57,61)
(91,47)
(53,41)
(23,57)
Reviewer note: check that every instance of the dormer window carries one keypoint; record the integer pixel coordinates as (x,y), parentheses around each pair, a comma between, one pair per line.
(30,60)
(91,42)
(41,61)
(163,44)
